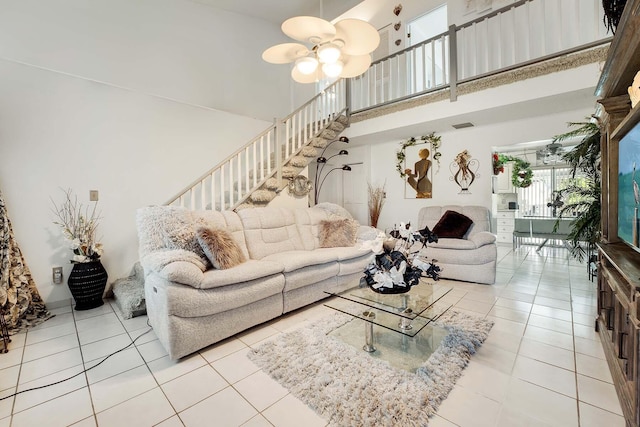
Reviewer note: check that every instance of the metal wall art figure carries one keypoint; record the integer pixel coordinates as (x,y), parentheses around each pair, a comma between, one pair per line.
(464,171)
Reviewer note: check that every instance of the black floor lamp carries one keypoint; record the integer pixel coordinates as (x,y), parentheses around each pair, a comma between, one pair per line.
(318,188)
(321,161)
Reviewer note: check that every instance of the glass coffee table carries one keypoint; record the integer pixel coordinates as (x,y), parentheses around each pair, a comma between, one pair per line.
(405,334)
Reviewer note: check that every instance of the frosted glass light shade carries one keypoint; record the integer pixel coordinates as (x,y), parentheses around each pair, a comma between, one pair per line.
(332,70)
(328,53)
(307,65)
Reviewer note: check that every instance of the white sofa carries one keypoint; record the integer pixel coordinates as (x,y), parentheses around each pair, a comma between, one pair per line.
(191,306)
(472,258)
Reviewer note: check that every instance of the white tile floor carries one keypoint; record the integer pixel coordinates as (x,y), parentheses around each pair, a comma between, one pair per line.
(542,364)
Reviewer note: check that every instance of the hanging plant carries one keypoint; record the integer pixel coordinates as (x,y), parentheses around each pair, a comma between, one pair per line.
(432,139)
(522,174)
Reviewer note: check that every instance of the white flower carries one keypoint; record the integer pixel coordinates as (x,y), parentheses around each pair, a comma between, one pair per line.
(80,258)
(75,243)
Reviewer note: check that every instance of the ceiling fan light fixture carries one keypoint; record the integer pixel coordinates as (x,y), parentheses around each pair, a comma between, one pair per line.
(328,53)
(332,70)
(307,65)
(342,49)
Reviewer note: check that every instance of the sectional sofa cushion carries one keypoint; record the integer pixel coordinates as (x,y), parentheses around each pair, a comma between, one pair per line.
(248,270)
(270,230)
(162,228)
(183,301)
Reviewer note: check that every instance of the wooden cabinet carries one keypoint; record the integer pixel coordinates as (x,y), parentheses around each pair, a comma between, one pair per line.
(505,224)
(618,321)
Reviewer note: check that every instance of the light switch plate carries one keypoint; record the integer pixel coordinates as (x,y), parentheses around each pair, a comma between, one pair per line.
(57,275)
(93,195)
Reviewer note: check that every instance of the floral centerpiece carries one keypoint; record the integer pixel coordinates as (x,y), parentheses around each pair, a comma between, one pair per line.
(79,224)
(397,267)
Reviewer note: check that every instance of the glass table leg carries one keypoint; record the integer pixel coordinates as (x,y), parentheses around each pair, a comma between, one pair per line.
(368,332)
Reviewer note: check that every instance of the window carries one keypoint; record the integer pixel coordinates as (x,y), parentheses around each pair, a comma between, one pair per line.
(540,199)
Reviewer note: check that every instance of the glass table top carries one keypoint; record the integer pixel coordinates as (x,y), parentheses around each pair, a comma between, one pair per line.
(406,313)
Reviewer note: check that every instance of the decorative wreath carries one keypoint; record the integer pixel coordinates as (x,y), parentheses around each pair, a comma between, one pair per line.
(426,139)
(522,174)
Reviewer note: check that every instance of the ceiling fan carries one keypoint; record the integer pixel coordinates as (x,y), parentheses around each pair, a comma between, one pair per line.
(551,153)
(340,50)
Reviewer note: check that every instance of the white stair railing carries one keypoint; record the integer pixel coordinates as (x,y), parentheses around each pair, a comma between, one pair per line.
(232,181)
(523,33)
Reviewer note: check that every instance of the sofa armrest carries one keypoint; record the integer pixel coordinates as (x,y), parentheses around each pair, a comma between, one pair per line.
(175,265)
(483,238)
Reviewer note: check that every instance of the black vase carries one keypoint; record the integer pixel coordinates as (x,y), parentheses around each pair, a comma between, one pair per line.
(86,283)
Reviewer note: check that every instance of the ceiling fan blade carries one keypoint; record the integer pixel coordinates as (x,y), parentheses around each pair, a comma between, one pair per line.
(284,53)
(309,29)
(359,36)
(355,65)
(305,78)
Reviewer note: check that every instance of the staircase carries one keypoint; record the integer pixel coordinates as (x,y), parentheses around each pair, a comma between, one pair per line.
(259,170)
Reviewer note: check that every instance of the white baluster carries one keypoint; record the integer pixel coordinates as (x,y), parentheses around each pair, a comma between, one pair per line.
(203,194)
(222,198)
(213,191)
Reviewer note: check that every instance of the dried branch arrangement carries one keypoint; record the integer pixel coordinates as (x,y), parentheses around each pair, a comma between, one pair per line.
(376,202)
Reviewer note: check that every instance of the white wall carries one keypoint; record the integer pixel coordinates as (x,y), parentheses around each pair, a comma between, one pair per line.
(58,131)
(179,49)
(524,111)
(133,99)
(478,141)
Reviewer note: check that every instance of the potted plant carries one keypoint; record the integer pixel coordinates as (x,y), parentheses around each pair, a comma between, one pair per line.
(498,163)
(582,195)
(88,277)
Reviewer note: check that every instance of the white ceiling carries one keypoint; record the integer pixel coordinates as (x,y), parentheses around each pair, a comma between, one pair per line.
(277,11)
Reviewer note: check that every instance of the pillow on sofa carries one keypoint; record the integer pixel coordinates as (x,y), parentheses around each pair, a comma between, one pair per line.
(218,245)
(452,225)
(337,233)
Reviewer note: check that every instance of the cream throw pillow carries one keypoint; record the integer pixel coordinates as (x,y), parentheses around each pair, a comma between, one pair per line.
(218,245)
(337,233)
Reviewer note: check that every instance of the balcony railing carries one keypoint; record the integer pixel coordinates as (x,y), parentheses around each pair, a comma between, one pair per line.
(523,33)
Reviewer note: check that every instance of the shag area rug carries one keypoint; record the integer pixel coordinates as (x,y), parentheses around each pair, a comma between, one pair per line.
(347,387)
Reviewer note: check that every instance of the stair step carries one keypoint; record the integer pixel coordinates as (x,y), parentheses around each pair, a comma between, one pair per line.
(289,171)
(336,126)
(298,161)
(318,142)
(328,134)
(262,196)
(343,119)
(309,151)
(272,184)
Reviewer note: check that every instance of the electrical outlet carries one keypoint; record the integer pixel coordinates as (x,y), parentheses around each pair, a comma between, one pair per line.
(93,195)
(57,275)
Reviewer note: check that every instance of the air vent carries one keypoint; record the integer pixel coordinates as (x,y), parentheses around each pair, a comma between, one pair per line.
(463,125)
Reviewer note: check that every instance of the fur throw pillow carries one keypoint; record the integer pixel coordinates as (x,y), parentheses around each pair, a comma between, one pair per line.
(337,233)
(218,245)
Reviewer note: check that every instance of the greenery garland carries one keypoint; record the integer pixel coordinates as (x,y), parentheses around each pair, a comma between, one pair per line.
(522,175)
(432,139)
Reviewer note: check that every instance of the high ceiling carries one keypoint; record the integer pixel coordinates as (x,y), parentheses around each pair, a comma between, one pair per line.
(277,11)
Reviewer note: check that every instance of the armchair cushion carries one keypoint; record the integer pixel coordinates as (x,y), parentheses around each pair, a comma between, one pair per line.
(483,238)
